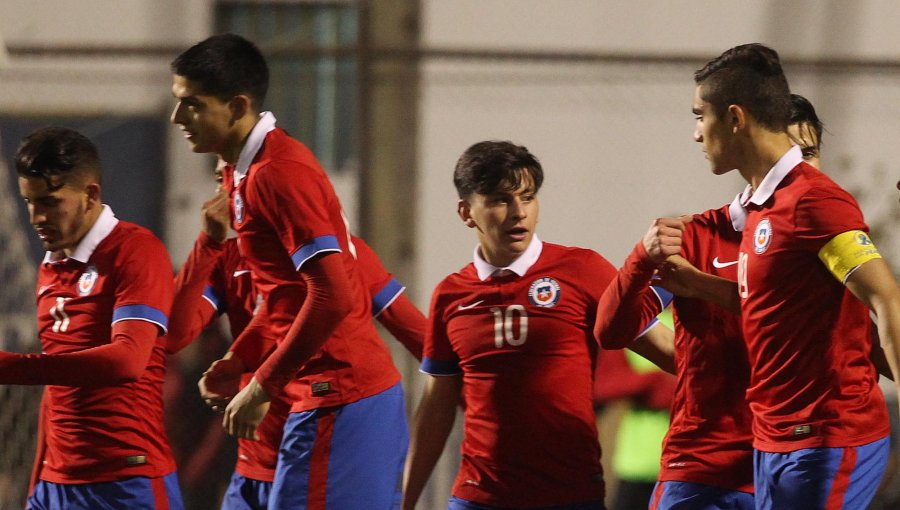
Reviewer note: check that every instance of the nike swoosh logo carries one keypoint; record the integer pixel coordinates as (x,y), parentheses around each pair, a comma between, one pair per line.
(45,288)
(720,265)
(466,307)
(240,272)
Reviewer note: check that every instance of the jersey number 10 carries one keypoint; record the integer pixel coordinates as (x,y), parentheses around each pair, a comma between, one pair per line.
(503,325)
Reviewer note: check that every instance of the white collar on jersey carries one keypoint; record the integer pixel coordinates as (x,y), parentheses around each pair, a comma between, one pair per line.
(738,208)
(255,140)
(520,266)
(101,228)
(766,188)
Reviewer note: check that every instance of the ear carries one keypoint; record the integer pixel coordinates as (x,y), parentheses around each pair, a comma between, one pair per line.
(240,106)
(465,214)
(93,194)
(737,118)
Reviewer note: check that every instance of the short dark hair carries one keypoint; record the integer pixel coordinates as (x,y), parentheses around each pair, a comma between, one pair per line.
(751,76)
(492,166)
(225,66)
(58,155)
(803,112)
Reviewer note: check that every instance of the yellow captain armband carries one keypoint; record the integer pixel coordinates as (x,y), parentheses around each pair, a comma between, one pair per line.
(846,252)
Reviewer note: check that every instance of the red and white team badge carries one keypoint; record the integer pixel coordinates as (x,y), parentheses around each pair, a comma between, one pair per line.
(87,281)
(544,292)
(238,207)
(762,237)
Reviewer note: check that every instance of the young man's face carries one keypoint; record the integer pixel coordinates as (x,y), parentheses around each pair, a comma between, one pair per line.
(205,120)
(804,135)
(59,216)
(505,221)
(714,134)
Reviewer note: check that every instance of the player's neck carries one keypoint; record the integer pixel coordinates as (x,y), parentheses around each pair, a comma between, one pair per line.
(90,219)
(238,138)
(763,151)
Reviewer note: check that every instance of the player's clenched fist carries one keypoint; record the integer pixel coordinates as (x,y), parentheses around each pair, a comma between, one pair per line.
(664,237)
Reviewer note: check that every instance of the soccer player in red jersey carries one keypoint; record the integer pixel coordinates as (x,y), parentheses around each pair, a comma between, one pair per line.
(345,439)
(215,280)
(512,333)
(103,296)
(808,276)
(707,457)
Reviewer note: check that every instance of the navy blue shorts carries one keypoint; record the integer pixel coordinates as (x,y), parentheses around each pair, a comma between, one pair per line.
(344,457)
(137,493)
(673,495)
(246,494)
(820,478)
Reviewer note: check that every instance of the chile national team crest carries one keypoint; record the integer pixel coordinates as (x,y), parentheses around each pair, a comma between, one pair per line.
(762,237)
(87,281)
(544,292)
(238,207)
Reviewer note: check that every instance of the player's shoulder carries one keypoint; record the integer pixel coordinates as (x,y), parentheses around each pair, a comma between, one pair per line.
(284,155)
(807,181)
(133,237)
(574,255)
(463,278)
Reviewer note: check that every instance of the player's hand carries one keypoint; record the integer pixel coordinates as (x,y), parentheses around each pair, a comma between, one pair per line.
(677,275)
(246,410)
(215,216)
(664,237)
(221,382)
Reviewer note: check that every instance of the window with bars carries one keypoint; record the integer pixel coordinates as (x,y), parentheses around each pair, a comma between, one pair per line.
(310,46)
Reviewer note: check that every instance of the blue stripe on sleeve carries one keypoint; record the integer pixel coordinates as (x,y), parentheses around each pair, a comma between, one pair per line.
(437,367)
(665,297)
(309,250)
(386,296)
(141,313)
(209,293)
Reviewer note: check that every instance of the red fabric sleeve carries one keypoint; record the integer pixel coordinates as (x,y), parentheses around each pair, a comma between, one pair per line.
(190,312)
(628,305)
(823,213)
(328,301)
(406,323)
(121,361)
(254,343)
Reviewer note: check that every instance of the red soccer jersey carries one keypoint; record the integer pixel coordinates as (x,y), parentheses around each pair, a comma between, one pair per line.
(709,437)
(285,212)
(812,384)
(525,349)
(105,433)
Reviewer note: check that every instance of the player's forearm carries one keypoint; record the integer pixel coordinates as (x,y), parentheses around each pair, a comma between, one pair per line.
(628,304)
(431,427)
(255,343)
(328,301)
(718,291)
(658,346)
(406,323)
(121,361)
(190,312)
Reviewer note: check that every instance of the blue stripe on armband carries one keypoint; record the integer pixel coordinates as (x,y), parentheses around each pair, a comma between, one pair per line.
(386,296)
(665,297)
(141,313)
(209,293)
(437,367)
(321,244)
